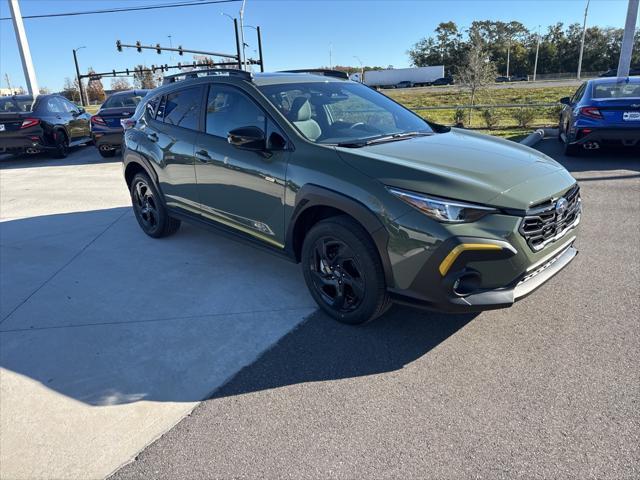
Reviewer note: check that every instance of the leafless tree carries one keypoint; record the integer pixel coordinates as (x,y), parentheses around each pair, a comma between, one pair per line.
(478,70)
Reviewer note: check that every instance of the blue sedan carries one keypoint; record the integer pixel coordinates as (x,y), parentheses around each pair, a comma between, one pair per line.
(602,112)
(106,129)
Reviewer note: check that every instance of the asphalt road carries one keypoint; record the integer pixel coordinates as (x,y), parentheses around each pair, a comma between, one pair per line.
(537,84)
(547,389)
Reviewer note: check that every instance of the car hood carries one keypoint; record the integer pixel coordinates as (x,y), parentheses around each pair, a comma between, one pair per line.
(465,166)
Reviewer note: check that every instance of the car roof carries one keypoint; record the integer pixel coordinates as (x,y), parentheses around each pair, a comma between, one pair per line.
(135,91)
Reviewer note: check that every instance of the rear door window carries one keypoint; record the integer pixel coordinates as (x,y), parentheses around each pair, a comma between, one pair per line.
(181,108)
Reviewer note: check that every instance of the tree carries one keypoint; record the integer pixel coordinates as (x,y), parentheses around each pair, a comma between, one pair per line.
(71,90)
(143,77)
(119,84)
(95,90)
(478,70)
(44,91)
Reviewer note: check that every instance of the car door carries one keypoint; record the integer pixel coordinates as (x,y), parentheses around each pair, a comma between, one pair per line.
(169,134)
(78,120)
(240,188)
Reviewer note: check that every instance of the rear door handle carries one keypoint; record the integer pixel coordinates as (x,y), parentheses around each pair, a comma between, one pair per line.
(204,156)
(152,136)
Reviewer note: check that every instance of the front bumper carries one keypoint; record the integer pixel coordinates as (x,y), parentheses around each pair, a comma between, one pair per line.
(489,299)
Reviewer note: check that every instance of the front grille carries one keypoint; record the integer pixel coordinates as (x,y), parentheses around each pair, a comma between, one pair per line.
(548,222)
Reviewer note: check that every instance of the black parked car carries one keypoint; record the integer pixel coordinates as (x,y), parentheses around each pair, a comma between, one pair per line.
(48,123)
(519,78)
(443,81)
(106,129)
(502,79)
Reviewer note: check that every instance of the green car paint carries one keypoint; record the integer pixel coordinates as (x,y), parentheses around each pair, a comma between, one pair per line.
(268,194)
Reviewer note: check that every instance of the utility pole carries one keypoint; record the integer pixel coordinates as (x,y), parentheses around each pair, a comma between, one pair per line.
(80,87)
(23,46)
(584,32)
(627,40)
(243,61)
(535,65)
(508,56)
(361,68)
(6,77)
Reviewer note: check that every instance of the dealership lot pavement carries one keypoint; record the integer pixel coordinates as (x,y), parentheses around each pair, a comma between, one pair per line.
(108,339)
(547,389)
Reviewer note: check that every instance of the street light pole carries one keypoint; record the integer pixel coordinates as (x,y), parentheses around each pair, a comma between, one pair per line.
(361,68)
(584,32)
(75,60)
(627,40)
(257,29)
(244,62)
(508,56)
(535,65)
(23,47)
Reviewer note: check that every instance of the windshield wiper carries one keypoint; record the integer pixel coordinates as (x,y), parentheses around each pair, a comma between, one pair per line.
(384,138)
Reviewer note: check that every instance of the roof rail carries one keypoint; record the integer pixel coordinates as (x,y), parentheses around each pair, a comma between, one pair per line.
(222,72)
(320,71)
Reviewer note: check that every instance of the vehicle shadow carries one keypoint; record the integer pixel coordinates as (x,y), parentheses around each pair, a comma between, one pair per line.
(96,311)
(322,349)
(81,155)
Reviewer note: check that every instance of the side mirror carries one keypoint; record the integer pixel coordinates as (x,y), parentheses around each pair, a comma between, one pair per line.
(81,110)
(565,100)
(248,138)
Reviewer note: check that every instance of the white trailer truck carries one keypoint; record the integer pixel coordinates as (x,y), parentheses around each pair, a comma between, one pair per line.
(416,76)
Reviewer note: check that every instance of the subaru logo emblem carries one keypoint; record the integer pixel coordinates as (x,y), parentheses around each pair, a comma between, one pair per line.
(561,207)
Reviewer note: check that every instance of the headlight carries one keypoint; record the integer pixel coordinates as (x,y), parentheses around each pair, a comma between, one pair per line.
(441,209)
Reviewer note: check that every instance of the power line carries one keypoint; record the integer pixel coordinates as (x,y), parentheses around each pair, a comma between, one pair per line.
(192,3)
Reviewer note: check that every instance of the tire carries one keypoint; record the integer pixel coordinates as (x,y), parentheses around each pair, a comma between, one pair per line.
(61,143)
(149,209)
(107,153)
(343,271)
(569,149)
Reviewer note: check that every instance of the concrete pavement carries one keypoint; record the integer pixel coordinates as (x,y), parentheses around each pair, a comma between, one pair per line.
(107,337)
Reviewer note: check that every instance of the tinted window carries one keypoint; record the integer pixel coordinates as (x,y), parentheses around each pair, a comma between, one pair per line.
(616,90)
(229,108)
(10,104)
(152,107)
(181,108)
(130,100)
(578,95)
(68,106)
(55,106)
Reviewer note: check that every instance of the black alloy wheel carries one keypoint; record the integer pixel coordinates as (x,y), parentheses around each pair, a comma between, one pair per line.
(343,271)
(149,210)
(337,275)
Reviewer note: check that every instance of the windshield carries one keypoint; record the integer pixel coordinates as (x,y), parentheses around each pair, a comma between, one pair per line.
(130,100)
(15,105)
(341,113)
(616,90)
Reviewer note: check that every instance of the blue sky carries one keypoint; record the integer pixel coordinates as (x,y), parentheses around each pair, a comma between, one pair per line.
(296,33)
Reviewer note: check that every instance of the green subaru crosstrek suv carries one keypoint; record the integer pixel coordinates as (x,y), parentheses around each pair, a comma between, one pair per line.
(378,205)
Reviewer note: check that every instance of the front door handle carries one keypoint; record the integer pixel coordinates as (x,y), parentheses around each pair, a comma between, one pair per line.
(203,156)
(152,136)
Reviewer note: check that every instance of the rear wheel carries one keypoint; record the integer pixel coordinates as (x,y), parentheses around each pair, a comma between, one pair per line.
(61,143)
(343,271)
(150,212)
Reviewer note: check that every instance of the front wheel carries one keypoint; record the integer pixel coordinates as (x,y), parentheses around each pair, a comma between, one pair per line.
(343,271)
(107,153)
(149,210)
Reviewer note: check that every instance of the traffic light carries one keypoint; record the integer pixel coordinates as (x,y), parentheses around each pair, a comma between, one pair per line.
(119,45)
(158,49)
(139,47)
(180,52)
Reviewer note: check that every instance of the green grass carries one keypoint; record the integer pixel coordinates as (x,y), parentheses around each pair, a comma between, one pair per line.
(544,116)
(92,109)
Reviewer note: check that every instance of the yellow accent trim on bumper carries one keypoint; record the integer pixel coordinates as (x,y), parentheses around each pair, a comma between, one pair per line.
(463,247)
